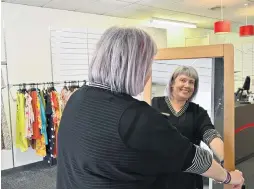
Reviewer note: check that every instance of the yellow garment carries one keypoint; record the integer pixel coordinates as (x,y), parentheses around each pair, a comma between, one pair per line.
(21,140)
(40,147)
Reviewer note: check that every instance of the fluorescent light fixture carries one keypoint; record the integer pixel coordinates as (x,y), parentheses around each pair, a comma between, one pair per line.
(160,23)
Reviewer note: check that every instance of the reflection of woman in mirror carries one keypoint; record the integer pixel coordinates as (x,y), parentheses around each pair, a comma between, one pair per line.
(190,119)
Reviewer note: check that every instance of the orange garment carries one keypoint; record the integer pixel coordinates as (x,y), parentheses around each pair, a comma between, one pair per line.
(36,111)
(56,116)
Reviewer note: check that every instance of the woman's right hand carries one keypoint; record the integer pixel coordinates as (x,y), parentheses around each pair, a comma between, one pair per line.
(237,179)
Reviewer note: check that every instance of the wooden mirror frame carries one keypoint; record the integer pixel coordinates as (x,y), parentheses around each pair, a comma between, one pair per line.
(225,51)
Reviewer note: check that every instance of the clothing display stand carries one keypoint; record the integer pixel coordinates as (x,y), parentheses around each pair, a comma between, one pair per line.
(51,84)
(224,56)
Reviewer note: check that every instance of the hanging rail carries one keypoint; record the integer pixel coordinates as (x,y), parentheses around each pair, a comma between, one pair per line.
(49,83)
(43,83)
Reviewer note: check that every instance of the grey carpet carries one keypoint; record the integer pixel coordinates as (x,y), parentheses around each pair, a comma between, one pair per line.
(35,178)
(38,177)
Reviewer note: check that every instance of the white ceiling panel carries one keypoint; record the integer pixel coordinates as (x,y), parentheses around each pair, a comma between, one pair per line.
(68,5)
(102,6)
(38,3)
(195,11)
(202,7)
(130,1)
(190,6)
(137,11)
(8,1)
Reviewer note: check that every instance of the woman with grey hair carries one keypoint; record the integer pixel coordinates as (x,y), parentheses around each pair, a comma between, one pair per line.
(190,119)
(109,140)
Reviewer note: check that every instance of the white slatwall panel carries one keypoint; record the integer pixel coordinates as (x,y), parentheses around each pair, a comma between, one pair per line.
(71,51)
(163,69)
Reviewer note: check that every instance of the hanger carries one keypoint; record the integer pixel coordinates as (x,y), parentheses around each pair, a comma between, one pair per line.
(23,89)
(65,87)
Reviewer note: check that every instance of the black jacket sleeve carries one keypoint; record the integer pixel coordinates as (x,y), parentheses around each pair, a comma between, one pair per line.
(161,149)
(206,130)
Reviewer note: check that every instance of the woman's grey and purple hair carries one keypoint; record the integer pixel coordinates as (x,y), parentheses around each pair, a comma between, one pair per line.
(122,60)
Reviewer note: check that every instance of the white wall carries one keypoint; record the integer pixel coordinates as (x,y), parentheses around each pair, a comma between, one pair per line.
(28,47)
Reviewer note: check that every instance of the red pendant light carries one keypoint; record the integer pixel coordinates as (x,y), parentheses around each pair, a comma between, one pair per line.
(222,26)
(247,30)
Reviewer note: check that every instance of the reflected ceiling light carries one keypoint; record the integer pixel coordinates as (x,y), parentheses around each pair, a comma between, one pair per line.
(160,23)
(247,30)
(222,26)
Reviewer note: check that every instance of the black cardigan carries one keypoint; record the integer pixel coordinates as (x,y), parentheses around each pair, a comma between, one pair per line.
(193,123)
(111,140)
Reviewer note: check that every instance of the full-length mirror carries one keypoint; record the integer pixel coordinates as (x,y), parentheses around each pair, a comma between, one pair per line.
(190,93)
(193,87)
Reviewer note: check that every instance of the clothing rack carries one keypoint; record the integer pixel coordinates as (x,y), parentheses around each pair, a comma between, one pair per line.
(42,83)
(49,83)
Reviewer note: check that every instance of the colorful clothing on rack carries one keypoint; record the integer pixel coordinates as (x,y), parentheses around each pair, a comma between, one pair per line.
(42,98)
(21,140)
(29,116)
(40,142)
(5,131)
(43,120)
(65,95)
(38,118)
(36,110)
(50,129)
(56,117)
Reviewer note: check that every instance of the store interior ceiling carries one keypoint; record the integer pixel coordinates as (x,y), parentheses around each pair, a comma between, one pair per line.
(203,13)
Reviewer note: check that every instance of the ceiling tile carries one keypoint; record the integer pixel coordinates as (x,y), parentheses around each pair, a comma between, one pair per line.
(175,5)
(102,6)
(201,22)
(136,11)
(245,11)
(225,3)
(38,3)
(130,1)
(8,1)
(200,7)
(68,4)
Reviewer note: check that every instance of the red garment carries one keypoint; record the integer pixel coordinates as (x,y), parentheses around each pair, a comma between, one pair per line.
(36,129)
(56,117)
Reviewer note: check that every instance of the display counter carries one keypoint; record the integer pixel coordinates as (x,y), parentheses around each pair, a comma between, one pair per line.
(244,141)
(244,131)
